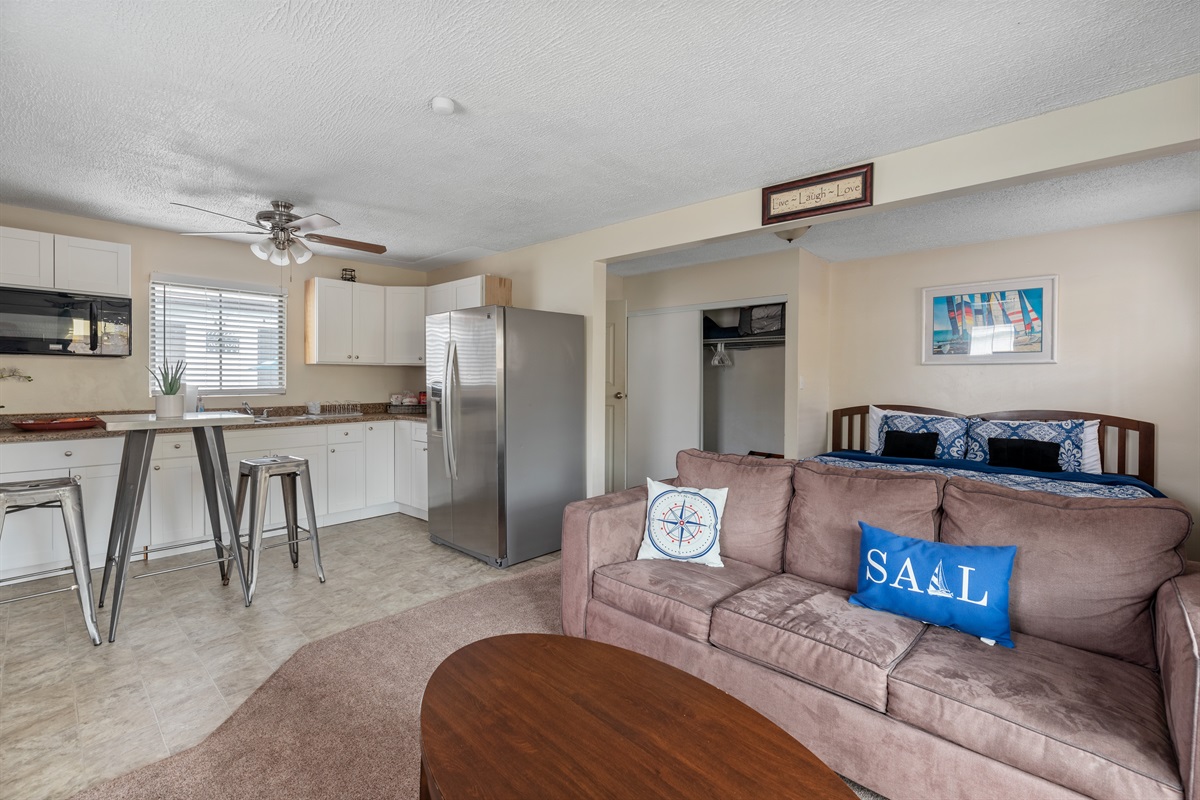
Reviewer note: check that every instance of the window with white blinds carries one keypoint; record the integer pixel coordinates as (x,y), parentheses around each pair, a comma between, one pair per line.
(233,339)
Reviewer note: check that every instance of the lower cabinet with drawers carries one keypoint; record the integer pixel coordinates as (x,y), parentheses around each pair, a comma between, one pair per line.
(356,471)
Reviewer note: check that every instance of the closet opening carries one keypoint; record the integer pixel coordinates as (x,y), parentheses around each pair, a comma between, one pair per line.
(743,368)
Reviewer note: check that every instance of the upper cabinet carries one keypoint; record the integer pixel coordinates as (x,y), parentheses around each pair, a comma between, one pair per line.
(50,261)
(343,322)
(359,323)
(404,320)
(478,290)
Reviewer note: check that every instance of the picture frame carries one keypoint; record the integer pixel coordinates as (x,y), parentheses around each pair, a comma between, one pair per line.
(991,322)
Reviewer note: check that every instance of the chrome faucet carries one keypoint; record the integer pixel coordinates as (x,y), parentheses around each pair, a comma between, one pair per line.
(246,407)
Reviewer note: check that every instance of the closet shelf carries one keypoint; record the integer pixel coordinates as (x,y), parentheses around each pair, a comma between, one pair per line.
(747,342)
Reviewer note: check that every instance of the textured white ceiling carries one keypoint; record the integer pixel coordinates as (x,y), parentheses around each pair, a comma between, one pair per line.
(574,114)
(1151,188)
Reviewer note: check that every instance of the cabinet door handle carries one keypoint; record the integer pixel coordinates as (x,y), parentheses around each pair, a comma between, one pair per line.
(157,467)
(77,478)
(356,357)
(349,356)
(424,449)
(345,433)
(370,427)
(68,454)
(178,446)
(333,449)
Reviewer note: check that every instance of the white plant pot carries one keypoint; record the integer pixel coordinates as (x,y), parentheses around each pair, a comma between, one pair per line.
(168,405)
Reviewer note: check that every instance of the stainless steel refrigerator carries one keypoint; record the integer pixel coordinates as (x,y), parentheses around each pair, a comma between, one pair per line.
(505,391)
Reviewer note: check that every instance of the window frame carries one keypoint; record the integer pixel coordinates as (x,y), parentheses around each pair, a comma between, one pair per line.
(185,282)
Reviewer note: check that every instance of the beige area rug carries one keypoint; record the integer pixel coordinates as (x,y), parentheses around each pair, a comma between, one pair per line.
(340,719)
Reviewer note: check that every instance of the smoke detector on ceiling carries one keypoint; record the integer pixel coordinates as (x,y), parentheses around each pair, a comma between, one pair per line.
(442,106)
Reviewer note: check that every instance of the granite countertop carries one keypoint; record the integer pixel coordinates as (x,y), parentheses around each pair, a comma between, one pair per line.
(372,412)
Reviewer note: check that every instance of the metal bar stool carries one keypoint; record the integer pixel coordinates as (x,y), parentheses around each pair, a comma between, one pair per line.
(260,471)
(62,493)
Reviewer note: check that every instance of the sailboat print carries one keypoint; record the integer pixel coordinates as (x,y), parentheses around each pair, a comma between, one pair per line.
(937,583)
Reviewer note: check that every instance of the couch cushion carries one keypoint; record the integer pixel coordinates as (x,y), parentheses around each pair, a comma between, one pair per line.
(675,595)
(757,506)
(823,533)
(1088,722)
(810,631)
(1087,569)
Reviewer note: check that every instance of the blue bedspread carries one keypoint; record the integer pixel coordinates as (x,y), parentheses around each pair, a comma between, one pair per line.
(1069,484)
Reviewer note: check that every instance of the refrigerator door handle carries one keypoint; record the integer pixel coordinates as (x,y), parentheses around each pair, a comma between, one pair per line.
(449,456)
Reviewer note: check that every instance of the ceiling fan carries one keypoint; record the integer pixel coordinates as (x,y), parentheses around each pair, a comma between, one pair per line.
(285,231)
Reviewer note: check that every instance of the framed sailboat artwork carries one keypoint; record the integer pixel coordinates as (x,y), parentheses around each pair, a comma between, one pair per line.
(992,322)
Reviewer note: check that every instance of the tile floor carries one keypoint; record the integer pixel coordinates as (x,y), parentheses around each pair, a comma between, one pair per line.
(188,652)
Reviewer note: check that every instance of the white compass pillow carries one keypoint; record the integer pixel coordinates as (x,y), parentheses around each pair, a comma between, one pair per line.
(683,524)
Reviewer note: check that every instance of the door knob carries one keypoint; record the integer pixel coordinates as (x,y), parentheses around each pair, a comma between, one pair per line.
(619,395)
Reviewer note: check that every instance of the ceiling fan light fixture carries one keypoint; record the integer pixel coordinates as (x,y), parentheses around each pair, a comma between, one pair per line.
(279,257)
(263,249)
(299,251)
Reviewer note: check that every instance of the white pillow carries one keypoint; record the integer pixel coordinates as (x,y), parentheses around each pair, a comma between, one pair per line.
(683,524)
(1091,447)
(874,418)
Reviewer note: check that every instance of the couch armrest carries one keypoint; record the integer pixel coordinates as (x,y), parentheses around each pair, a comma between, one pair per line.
(601,530)
(1177,639)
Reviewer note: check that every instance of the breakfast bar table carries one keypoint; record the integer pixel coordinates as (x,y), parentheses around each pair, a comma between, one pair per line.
(139,430)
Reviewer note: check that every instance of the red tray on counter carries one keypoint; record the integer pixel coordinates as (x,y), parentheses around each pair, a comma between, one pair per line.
(64,424)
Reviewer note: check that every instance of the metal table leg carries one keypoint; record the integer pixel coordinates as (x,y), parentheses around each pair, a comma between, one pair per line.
(212,444)
(208,475)
(114,530)
(135,466)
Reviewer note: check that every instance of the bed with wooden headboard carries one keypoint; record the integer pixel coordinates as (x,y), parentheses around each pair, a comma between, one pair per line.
(1126,445)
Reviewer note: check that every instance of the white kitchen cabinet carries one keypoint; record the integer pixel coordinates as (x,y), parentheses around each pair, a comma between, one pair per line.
(370,304)
(478,290)
(70,263)
(91,266)
(404,320)
(403,452)
(420,470)
(344,322)
(379,452)
(177,507)
(346,490)
(412,470)
(26,258)
(98,485)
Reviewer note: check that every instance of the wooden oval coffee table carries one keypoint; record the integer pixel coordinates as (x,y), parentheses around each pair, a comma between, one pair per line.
(540,716)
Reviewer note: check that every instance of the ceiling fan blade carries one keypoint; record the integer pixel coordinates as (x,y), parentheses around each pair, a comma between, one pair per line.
(313,222)
(223,233)
(350,244)
(219,214)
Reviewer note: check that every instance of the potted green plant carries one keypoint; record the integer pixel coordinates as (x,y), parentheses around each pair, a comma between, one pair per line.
(169,401)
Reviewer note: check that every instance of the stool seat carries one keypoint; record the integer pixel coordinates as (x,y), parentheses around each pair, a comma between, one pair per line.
(259,471)
(63,493)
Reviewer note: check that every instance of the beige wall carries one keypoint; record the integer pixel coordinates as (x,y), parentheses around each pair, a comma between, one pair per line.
(1128,333)
(795,274)
(569,274)
(63,384)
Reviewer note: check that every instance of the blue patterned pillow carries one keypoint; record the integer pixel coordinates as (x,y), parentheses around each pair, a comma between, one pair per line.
(951,431)
(1067,434)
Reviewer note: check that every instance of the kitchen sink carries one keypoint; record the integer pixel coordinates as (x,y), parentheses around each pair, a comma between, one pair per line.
(281,420)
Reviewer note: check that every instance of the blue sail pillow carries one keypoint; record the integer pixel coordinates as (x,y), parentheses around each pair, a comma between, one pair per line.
(956,586)
(1068,434)
(951,431)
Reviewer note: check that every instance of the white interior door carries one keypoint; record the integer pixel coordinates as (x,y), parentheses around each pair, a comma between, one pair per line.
(665,392)
(614,395)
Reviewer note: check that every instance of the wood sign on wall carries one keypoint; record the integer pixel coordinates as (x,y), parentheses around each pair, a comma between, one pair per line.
(818,194)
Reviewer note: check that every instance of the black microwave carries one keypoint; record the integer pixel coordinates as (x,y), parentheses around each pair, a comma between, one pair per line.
(44,322)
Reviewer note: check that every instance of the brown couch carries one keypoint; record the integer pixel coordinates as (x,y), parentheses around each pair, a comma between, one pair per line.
(1100,697)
